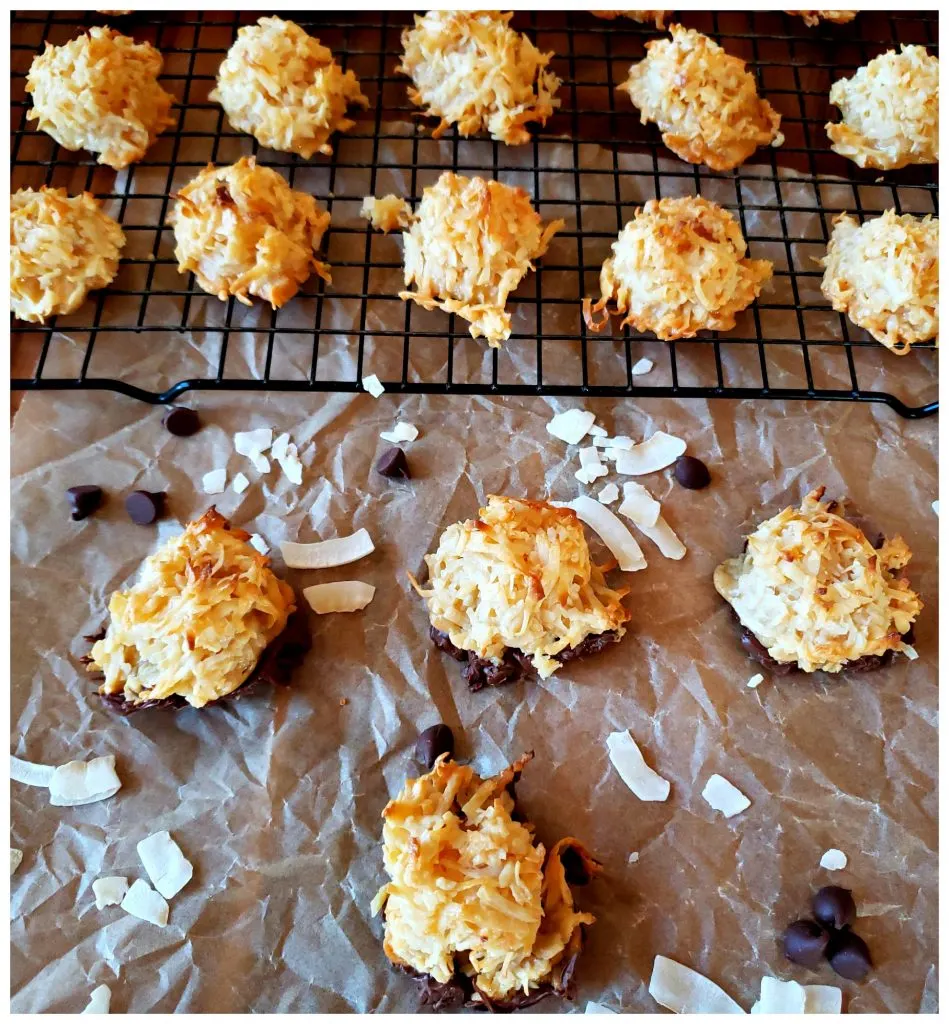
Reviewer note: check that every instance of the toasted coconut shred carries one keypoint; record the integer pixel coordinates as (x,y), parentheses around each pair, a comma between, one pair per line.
(386,214)
(472,891)
(889,111)
(658,18)
(678,267)
(815,591)
(100,92)
(519,577)
(472,69)
(61,248)
(884,274)
(204,609)
(282,86)
(704,101)
(470,245)
(244,232)
(814,18)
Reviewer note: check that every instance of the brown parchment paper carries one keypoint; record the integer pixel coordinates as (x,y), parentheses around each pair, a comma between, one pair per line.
(277,798)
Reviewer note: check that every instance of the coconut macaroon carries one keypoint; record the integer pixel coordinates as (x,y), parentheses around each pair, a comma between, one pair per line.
(283,87)
(658,18)
(472,69)
(884,274)
(678,267)
(516,592)
(100,92)
(475,903)
(889,111)
(61,248)
(815,594)
(244,232)
(814,18)
(196,624)
(703,100)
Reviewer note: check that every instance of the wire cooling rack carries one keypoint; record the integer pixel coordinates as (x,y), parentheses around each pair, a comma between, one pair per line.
(153,334)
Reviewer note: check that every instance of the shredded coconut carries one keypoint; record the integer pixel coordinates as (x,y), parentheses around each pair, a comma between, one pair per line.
(814,18)
(390,213)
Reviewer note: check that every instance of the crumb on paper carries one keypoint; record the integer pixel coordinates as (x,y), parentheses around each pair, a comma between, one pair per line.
(143,902)
(608,494)
(402,432)
(633,858)
(657,452)
(84,782)
(109,890)
(722,796)
(385,214)
(214,482)
(936,506)
(240,483)
(833,860)
(373,385)
(250,442)
(343,596)
(755,681)
(343,702)
(626,757)
(16,859)
(682,990)
(642,367)
(571,426)
(100,999)
(167,867)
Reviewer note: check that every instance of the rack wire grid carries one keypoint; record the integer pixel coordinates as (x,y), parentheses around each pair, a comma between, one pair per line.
(154,334)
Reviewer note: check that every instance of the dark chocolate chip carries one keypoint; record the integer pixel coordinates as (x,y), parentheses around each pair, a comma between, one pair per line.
(394,465)
(144,507)
(834,907)
(849,956)
(182,422)
(574,866)
(84,500)
(692,473)
(805,943)
(432,743)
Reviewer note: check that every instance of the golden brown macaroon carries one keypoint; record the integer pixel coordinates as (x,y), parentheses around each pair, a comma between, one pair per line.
(884,274)
(100,92)
(678,267)
(282,86)
(889,111)
(472,69)
(658,18)
(475,901)
(704,101)
(814,18)
(61,248)
(194,626)
(816,594)
(244,232)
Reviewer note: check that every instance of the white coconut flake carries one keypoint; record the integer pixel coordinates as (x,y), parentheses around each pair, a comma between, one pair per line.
(344,596)
(590,457)
(280,447)
(31,774)
(639,505)
(722,796)
(373,385)
(621,443)
(608,494)
(755,681)
(258,542)
(822,999)
(167,867)
(633,858)
(571,426)
(16,859)
(876,909)
(214,482)
(627,759)
(287,456)
(100,999)
(240,483)
(656,453)
(326,554)
(665,538)
(109,891)
(682,990)
(909,651)
(601,440)
(589,474)
(143,902)
(781,997)
(84,782)
(260,462)
(402,432)
(610,529)
(642,366)
(833,860)
(936,507)
(597,1008)
(596,431)
(253,442)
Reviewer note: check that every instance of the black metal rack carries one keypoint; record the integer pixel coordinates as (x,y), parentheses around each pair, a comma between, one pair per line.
(789,345)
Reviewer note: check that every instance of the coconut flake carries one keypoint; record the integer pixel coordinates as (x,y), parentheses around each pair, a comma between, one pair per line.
(781,997)
(285,452)
(571,426)
(621,443)
(822,999)
(656,453)
(280,447)
(84,782)
(722,796)
(596,431)
(834,860)
(627,759)
(610,529)
(682,990)
(639,505)
(100,999)
(345,596)
(402,432)
(642,366)
(240,483)
(909,651)
(110,890)
(326,554)
(590,457)
(16,859)
(597,1008)
(755,681)
(253,442)
(936,506)
(664,537)
(167,867)
(633,858)
(589,474)
(30,774)
(258,542)
(608,494)
(214,482)
(260,462)
(143,902)
(373,385)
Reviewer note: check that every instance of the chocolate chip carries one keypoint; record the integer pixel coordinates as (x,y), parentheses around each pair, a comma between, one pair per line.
(834,907)
(692,473)
(394,465)
(144,507)
(182,422)
(805,943)
(84,500)
(432,743)
(574,867)
(849,956)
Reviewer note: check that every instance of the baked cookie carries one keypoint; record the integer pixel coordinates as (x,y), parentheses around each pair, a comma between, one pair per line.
(61,248)
(884,274)
(476,907)
(889,111)
(283,87)
(703,100)
(244,232)
(100,92)
(515,592)
(678,267)
(206,614)
(814,18)
(472,69)
(658,18)
(468,247)
(814,594)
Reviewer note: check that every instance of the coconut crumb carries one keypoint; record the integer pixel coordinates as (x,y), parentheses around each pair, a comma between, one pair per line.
(390,213)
